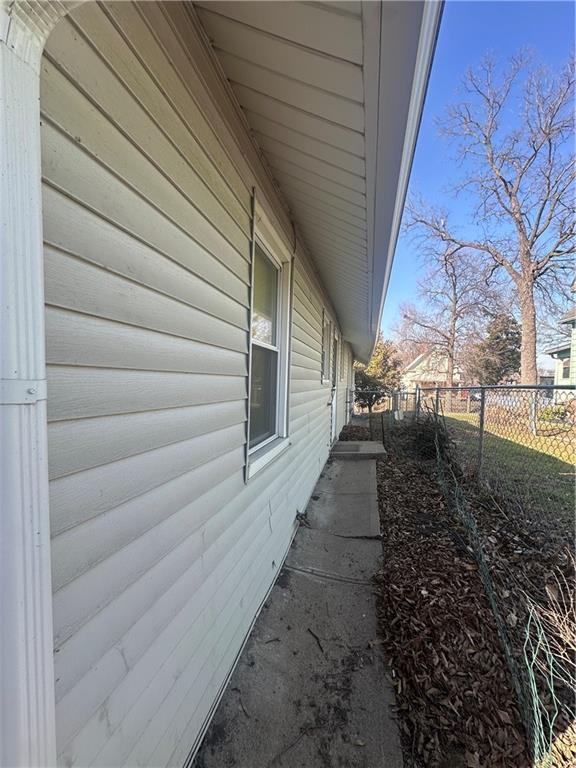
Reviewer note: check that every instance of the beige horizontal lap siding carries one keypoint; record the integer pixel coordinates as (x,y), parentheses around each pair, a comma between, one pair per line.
(161,553)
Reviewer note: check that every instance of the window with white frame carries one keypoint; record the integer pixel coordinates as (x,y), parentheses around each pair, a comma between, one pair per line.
(326,348)
(269,350)
(334,361)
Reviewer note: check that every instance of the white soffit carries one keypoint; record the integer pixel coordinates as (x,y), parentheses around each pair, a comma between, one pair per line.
(333,92)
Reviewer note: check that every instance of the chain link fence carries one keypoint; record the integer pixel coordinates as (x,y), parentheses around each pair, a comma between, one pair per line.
(538,638)
(395,404)
(518,441)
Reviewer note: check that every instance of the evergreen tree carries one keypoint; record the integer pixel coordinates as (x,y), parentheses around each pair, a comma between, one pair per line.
(498,356)
(367,389)
(381,373)
(385,364)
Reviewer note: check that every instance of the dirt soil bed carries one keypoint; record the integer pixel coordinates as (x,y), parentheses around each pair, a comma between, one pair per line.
(455,700)
(355,432)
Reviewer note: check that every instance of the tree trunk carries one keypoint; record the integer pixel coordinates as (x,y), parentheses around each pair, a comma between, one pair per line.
(450,371)
(451,352)
(449,381)
(528,366)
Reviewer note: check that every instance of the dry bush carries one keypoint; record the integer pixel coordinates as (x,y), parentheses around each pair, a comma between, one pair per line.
(550,654)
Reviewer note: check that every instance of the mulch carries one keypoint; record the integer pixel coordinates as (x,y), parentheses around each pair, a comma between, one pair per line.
(455,700)
(353,432)
(456,704)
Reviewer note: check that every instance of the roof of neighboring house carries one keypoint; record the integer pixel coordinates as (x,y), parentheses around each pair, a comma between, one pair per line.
(440,357)
(569,316)
(560,347)
(316,82)
(416,362)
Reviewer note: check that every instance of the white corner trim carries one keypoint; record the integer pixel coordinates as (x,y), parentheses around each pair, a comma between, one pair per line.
(21,391)
(26,24)
(27,719)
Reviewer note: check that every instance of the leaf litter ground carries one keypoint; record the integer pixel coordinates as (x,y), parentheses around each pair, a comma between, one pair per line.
(455,701)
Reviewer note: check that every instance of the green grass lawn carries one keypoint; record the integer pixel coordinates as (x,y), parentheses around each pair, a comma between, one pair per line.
(554,440)
(537,471)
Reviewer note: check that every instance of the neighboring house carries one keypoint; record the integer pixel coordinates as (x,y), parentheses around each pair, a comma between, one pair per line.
(429,369)
(564,352)
(219,190)
(546,378)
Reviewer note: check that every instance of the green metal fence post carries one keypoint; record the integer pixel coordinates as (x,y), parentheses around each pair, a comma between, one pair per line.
(534,412)
(481,435)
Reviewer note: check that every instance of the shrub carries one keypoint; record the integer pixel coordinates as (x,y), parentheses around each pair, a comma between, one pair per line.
(554,413)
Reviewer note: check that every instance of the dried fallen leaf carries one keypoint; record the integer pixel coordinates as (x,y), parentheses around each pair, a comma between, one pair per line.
(472,760)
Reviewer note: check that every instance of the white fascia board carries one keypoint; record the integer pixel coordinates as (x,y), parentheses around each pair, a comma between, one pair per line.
(399,42)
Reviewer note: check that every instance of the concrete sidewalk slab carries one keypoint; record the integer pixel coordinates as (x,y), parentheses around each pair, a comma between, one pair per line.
(310,689)
(343,558)
(344,501)
(357,449)
(339,479)
(355,514)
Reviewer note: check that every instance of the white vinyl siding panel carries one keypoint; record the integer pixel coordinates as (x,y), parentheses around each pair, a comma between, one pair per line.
(162,555)
(304,26)
(342,388)
(275,54)
(310,106)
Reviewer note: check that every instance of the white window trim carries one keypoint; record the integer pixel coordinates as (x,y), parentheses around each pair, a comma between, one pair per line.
(326,349)
(334,352)
(259,456)
(265,453)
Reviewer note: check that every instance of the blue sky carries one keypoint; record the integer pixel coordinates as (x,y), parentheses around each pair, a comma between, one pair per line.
(468,31)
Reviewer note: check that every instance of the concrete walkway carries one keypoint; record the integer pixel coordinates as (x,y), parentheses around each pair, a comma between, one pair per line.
(358,449)
(310,689)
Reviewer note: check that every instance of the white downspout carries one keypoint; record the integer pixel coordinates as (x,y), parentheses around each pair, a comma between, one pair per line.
(27,723)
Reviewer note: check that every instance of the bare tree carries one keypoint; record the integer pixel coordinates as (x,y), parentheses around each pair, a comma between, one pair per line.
(522,181)
(456,296)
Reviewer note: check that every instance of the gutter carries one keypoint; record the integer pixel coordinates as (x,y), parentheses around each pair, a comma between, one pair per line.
(384,234)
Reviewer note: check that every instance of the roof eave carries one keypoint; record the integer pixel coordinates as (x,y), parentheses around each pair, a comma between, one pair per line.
(558,348)
(407,37)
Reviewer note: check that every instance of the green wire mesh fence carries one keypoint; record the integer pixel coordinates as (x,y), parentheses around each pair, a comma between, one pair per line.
(517,445)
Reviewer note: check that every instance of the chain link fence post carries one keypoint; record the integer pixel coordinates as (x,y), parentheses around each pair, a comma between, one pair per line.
(481,432)
(437,402)
(534,412)
(417,402)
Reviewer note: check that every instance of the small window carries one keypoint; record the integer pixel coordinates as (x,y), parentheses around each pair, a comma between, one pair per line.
(269,350)
(566,368)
